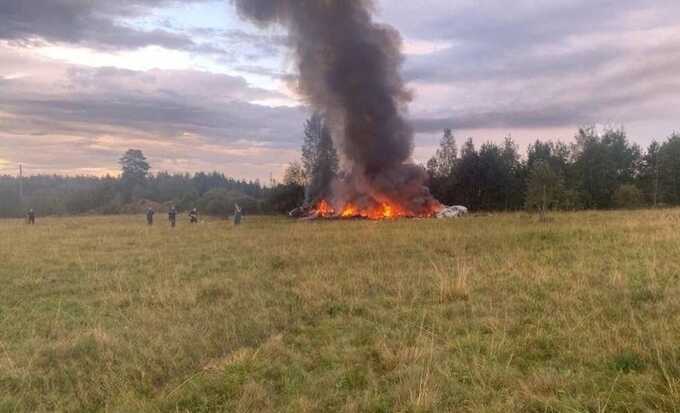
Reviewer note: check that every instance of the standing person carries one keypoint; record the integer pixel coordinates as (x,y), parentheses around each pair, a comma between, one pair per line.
(193,216)
(149,215)
(172,216)
(30,217)
(238,214)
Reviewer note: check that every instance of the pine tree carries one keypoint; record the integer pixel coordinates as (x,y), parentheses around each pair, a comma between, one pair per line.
(544,188)
(319,158)
(669,159)
(134,168)
(650,173)
(468,189)
(442,169)
(443,164)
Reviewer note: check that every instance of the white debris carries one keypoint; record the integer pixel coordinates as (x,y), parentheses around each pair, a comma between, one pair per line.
(452,212)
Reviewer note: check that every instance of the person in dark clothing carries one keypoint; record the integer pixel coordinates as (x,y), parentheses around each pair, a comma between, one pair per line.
(149,216)
(172,216)
(193,216)
(30,217)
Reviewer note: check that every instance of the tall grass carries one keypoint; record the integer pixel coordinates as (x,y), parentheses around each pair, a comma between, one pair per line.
(484,314)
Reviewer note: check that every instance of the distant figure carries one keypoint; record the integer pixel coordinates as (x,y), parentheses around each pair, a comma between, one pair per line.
(172,216)
(238,214)
(193,216)
(149,215)
(30,217)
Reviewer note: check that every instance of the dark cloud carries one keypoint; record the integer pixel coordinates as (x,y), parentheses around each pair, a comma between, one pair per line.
(636,89)
(524,23)
(471,64)
(167,103)
(93,23)
(168,119)
(541,64)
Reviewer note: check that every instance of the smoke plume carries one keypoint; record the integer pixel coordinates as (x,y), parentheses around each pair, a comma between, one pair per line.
(349,69)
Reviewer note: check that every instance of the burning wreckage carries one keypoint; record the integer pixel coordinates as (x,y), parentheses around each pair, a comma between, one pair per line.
(378,212)
(348,69)
(397,194)
(351,197)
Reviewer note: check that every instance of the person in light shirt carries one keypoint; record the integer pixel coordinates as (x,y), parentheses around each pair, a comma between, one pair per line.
(238,214)
(193,216)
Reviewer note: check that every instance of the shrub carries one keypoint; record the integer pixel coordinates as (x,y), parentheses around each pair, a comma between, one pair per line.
(628,196)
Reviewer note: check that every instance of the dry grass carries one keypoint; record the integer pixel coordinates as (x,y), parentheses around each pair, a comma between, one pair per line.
(484,314)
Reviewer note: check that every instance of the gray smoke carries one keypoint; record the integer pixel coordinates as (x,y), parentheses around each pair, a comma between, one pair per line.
(349,69)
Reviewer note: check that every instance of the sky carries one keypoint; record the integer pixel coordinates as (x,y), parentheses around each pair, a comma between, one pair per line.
(197,89)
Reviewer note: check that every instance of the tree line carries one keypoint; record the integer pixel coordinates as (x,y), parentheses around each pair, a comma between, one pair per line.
(131,192)
(600,170)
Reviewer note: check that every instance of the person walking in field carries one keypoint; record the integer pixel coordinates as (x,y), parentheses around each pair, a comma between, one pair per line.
(238,214)
(193,216)
(30,217)
(172,216)
(149,216)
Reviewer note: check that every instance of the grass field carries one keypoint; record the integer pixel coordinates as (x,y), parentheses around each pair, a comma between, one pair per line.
(485,314)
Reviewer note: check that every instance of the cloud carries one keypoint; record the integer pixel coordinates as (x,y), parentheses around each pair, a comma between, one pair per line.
(251,46)
(70,112)
(100,24)
(474,65)
(561,63)
(630,88)
(98,154)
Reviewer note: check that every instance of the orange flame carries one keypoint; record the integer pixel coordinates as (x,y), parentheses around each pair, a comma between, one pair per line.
(325,209)
(387,211)
(382,211)
(349,211)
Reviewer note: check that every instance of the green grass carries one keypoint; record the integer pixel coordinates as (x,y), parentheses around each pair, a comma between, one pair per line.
(485,314)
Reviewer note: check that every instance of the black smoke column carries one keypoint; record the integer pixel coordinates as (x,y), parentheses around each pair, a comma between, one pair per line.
(349,69)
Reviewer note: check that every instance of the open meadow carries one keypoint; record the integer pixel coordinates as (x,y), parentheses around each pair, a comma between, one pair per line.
(494,313)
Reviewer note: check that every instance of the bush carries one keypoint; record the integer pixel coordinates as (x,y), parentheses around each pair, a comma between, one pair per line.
(571,200)
(628,196)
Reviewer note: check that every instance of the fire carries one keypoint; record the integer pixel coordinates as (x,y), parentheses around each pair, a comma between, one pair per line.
(387,211)
(379,211)
(324,209)
(349,211)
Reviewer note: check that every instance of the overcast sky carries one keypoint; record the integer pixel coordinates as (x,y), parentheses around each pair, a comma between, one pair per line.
(196,89)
